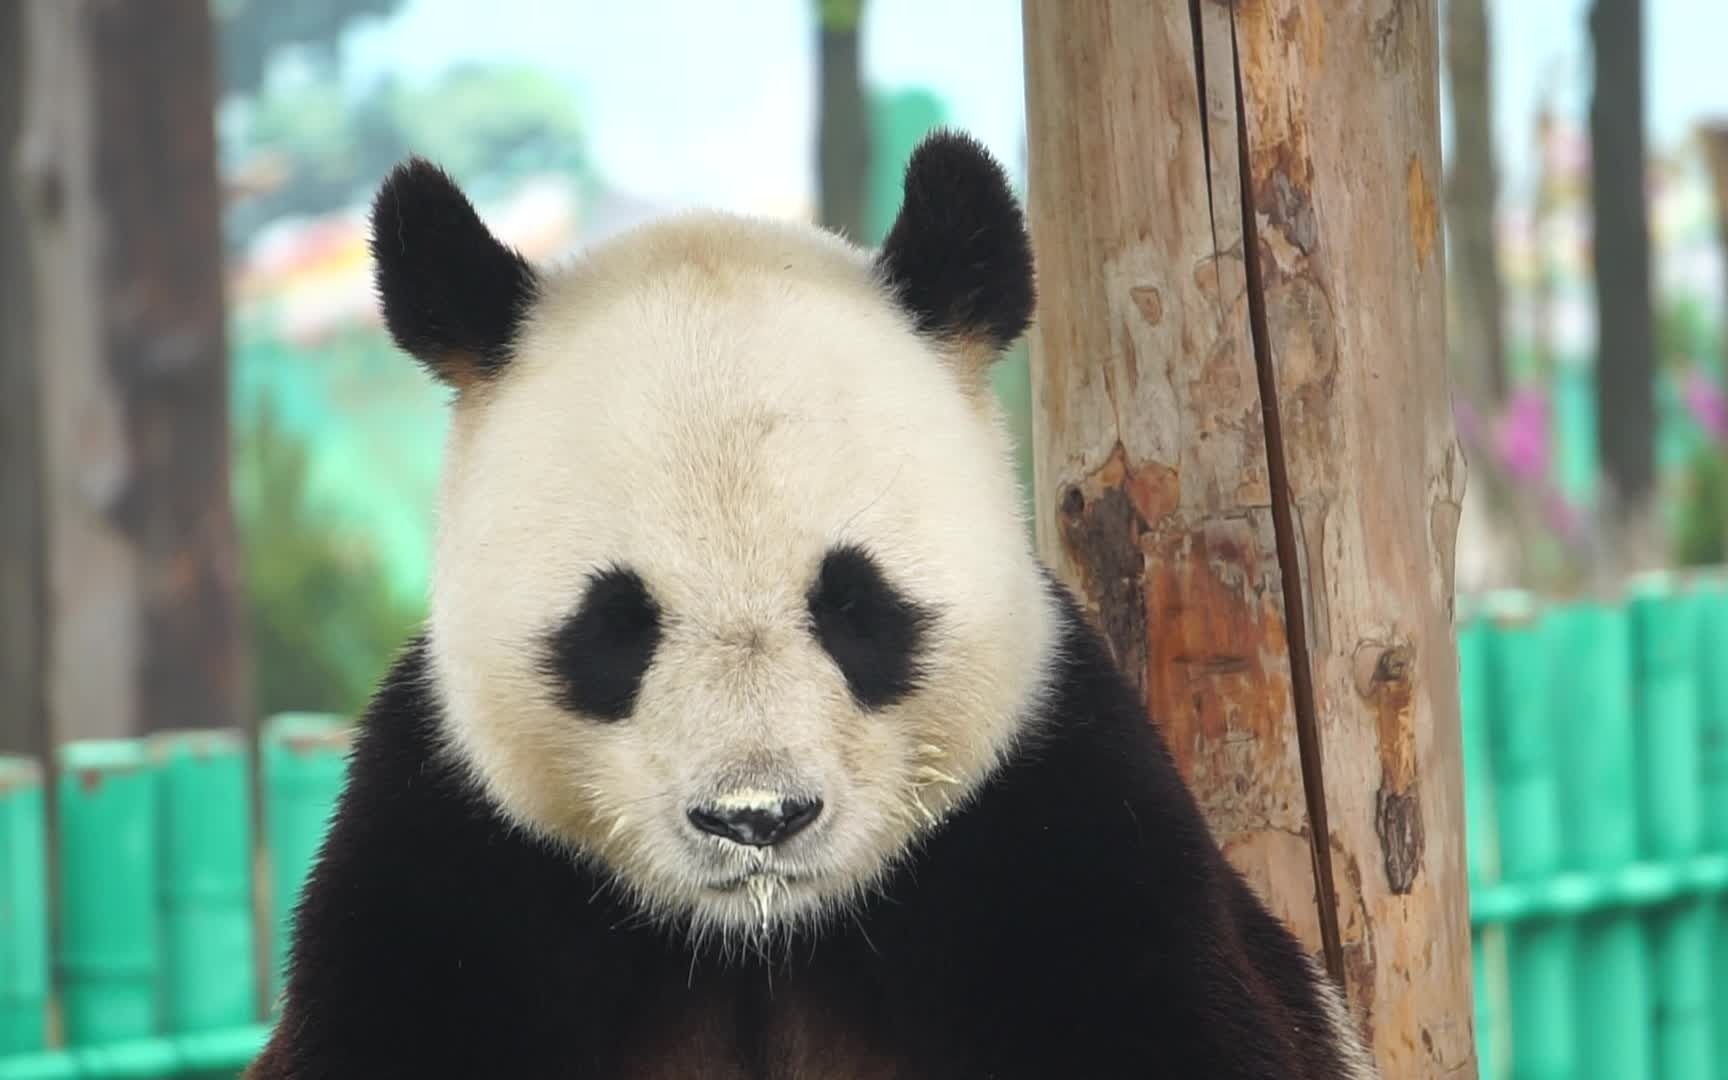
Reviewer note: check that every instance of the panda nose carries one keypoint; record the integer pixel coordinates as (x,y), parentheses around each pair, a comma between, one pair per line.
(758,825)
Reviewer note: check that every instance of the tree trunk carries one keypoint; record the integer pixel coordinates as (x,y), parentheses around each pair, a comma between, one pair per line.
(843,131)
(23,699)
(1715,139)
(1476,331)
(1625,352)
(142,627)
(1248,468)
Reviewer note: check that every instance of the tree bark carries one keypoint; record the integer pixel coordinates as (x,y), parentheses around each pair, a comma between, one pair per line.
(143,630)
(1248,467)
(843,131)
(23,699)
(1475,331)
(1626,337)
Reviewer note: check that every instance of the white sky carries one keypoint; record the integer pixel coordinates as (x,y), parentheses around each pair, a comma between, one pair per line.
(695,101)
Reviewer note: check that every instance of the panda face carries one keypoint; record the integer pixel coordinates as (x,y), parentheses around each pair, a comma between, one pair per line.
(732,593)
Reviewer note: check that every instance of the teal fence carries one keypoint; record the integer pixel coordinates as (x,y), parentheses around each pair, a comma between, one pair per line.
(144,960)
(1596,780)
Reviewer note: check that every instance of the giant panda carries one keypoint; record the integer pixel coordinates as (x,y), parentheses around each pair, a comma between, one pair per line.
(747,737)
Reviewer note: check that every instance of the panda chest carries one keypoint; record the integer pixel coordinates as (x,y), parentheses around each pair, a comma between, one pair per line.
(749,1036)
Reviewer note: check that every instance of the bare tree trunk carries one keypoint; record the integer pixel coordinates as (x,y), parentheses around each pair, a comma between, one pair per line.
(1248,467)
(1476,332)
(143,628)
(23,697)
(844,128)
(1715,139)
(1626,338)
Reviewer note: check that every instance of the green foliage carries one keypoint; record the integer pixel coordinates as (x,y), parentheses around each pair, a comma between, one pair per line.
(493,121)
(488,125)
(1701,532)
(839,15)
(324,621)
(253,32)
(1685,332)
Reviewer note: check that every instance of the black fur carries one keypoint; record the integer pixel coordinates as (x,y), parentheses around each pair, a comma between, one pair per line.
(598,656)
(958,258)
(453,294)
(873,633)
(1076,921)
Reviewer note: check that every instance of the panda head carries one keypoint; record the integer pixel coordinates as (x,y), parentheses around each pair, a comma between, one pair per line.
(732,596)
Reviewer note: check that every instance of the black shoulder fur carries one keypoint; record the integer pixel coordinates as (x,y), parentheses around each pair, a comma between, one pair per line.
(1076,920)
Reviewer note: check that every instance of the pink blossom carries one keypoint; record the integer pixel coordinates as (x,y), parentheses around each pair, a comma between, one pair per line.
(1522,439)
(1707,403)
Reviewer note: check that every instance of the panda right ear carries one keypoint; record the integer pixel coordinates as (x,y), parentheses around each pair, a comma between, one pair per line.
(454,296)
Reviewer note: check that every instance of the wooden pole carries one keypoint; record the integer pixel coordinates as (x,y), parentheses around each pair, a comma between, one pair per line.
(23,699)
(1248,466)
(1714,137)
(141,629)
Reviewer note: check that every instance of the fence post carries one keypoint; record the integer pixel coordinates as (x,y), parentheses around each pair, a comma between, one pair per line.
(1482,835)
(206,894)
(1665,647)
(110,959)
(305,762)
(23,907)
(1594,719)
(1526,793)
(1713,700)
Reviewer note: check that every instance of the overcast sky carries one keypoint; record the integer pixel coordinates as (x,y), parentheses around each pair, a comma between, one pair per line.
(691,101)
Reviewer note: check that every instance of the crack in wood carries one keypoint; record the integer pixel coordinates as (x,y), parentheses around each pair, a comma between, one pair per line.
(1284,530)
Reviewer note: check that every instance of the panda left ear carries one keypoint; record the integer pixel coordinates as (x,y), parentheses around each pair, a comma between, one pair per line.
(958,258)
(454,296)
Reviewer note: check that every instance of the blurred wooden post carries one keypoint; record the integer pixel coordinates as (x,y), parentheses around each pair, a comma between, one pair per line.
(116,169)
(1714,136)
(1248,467)
(23,706)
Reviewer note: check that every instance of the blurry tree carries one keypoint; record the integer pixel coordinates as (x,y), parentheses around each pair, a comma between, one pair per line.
(843,128)
(23,595)
(253,32)
(1476,335)
(493,123)
(487,124)
(142,627)
(1701,535)
(321,612)
(1625,358)
(1715,139)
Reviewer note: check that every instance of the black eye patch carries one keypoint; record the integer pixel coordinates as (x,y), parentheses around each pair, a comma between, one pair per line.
(598,655)
(872,631)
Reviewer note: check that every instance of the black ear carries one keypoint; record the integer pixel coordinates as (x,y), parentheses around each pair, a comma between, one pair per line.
(453,295)
(958,258)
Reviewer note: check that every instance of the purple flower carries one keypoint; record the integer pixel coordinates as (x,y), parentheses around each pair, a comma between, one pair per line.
(1523,435)
(1707,403)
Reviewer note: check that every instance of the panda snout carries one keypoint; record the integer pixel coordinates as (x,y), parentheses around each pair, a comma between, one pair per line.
(756,820)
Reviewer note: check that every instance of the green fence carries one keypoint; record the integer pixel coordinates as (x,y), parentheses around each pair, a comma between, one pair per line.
(1596,780)
(145,960)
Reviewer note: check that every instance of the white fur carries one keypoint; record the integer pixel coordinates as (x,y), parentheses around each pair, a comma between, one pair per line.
(715,403)
(1346,1036)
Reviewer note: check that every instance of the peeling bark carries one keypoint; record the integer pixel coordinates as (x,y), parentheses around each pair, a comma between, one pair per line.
(1281,431)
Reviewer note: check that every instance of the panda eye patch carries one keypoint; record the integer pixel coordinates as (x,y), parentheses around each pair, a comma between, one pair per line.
(872,632)
(598,655)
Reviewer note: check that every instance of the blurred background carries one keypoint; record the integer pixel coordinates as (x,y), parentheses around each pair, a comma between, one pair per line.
(227,487)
